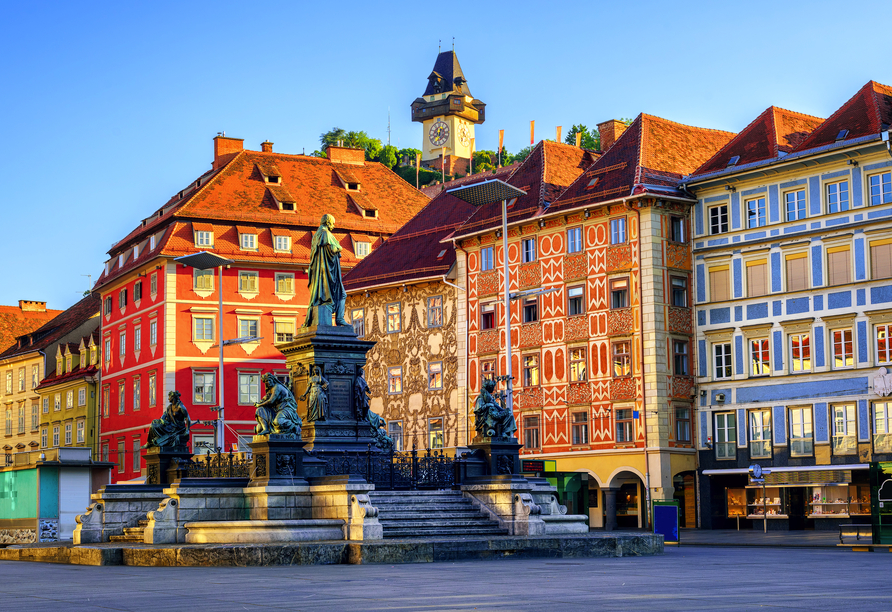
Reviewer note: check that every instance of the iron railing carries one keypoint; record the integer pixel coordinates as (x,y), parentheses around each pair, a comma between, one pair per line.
(219,465)
(396,470)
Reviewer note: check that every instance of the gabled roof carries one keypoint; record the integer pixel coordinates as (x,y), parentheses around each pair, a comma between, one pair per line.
(16,321)
(414,251)
(236,194)
(56,329)
(775,132)
(649,157)
(544,174)
(868,112)
(448,68)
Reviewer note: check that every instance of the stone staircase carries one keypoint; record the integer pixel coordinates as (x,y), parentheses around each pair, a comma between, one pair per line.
(424,514)
(132,534)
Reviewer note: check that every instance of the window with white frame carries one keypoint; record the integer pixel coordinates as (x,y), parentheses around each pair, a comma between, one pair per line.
(760,364)
(725,436)
(882,427)
(574,240)
(153,284)
(122,457)
(718,219)
(363,249)
(837,196)
(137,338)
(284,330)
(43,437)
(67,434)
(579,428)
(357,316)
(82,396)
(679,291)
(794,202)
(577,364)
(106,400)
(844,429)
(204,239)
(153,333)
(247,282)
(284,283)
(880,186)
(22,418)
(46,405)
(486,262)
(80,432)
(137,392)
(575,301)
(801,432)
(151,389)
(619,293)
(487,369)
(843,349)
(435,375)
(618,230)
(282,244)
(122,344)
(248,388)
(395,380)
(395,431)
(625,426)
(248,242)
(488,316)
(622,358)
(394,319)
(760,433)
(57,402)
(528,248)
(883,335)
(203,328)
(69,399)
(800,353)
(203,280)
(721,356)
(35,376)
(677,229)
(755,212)
(204,385)
(249,328)
(531,370)
(436,434)
(435,311)
(121,397)
(55,435)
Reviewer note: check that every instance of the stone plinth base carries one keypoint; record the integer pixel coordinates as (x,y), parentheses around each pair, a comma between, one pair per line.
(113,508)
(500,457)
(278,461)
(237,532)
(160,460)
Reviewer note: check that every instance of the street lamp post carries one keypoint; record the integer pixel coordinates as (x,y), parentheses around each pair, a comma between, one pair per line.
(206,261)
(480,194)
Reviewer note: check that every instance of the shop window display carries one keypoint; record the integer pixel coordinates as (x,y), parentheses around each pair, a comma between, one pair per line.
(773,504)
(838,501)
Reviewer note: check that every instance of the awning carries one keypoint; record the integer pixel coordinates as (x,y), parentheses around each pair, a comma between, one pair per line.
(790,468)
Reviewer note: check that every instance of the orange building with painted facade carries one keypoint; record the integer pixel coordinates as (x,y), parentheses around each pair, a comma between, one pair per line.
(602,364)
(159,318)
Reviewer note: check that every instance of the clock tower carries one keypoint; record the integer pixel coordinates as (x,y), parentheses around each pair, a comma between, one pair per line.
(448,112)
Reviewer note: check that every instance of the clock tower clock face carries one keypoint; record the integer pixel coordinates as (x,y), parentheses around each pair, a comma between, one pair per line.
(464,135)
(439,133)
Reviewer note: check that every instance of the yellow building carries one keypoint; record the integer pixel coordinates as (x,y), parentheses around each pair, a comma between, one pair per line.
(26,363)
(68,397)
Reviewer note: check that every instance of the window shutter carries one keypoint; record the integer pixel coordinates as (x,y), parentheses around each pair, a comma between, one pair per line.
(797,273)
(881,260)
(757,278)
(838,272)
(720,288)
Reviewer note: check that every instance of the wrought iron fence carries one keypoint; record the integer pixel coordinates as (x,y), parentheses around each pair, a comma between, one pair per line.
(219,465)
(396,470)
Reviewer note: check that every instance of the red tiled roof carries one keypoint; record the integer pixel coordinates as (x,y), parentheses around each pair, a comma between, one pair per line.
(15,322)
(868,112)
(544,174)
(76,373)
(650,156)
(236,195)
(775,131)
(60,326)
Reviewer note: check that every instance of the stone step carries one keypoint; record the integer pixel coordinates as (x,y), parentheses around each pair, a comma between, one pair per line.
(143,523)
(425,508)
(135,531)
(126,538)
(440,524)
(471,513)
(437,493)
(439,532)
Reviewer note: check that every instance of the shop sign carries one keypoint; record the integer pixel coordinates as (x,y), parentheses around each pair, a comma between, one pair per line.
(531,465)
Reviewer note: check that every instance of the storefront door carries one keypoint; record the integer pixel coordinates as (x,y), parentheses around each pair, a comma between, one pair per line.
(797,501)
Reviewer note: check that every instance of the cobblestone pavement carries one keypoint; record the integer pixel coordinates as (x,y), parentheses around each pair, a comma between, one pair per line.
(684,578)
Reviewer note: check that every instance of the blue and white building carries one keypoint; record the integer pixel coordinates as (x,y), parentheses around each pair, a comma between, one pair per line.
(792,255)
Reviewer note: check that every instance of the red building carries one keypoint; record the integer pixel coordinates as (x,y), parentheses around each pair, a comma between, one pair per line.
(159,318)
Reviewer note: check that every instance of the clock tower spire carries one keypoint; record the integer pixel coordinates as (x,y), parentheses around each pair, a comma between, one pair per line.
(448,112)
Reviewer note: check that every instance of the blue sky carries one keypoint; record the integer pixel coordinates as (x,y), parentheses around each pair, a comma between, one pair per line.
(110,108)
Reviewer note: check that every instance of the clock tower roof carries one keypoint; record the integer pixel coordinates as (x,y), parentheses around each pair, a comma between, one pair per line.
(447,76)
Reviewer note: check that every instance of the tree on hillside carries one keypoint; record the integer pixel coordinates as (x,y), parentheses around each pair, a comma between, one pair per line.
(388,156)
(590,138)
(519,156)
(407,156)
(357,140)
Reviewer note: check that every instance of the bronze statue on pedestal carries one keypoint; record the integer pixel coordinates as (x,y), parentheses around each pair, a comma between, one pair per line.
(316,396)
(172,429)
(327,293)
(492,419)
(277,411)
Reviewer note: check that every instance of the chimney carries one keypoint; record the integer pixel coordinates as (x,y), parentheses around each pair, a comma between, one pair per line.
(32,306)
(224,148)
(610,132)
(346,155)
(266,146)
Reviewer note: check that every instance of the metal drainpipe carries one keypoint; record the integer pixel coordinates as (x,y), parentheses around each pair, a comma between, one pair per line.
(643,385)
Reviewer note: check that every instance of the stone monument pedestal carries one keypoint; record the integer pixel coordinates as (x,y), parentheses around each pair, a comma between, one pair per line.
(278,461)
(339,354)
(498,459)
(160,460)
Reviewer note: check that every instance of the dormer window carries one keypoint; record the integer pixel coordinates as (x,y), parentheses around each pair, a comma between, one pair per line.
(151,242)
(273,179)
(363,249)
(353,186)
(204,239)
(370,213)
(121,260)
(68,364)
(282,244)
(733,161)
(288,206)
(135,251)
(842,135)
(59,366)
(248,242)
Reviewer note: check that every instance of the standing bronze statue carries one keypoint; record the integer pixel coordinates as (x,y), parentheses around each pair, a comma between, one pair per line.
(277,411)
(172,429)
(327,293)
(492,419)
(316,396)
(361,396)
